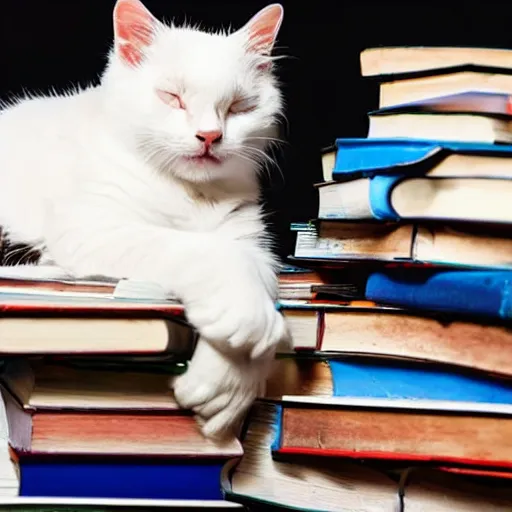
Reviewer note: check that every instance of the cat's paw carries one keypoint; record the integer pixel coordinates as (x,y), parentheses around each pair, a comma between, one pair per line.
(239,325)
(220,390)
(235,309)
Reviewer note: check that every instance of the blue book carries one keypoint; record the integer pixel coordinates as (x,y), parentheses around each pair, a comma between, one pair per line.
(393,198)
(424,395)
(418,180)
(482,293)
(388,378)
(366,157)
(92,478)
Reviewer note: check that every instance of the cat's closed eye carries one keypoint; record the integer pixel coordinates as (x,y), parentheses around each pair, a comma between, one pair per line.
(171,99)
(242,106)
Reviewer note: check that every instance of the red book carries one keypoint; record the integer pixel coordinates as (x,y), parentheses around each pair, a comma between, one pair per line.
(442,432)
(155,433)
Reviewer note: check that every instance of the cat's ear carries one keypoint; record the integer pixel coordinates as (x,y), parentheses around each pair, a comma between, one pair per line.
(262,29)
(134,28)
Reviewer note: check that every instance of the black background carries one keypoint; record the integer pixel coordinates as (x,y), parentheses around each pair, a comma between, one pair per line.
(54,43)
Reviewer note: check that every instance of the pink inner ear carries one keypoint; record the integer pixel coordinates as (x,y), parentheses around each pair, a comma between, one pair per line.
(263,28)
(134,28)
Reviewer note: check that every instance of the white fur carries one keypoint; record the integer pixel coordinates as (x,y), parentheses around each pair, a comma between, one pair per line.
(97,179)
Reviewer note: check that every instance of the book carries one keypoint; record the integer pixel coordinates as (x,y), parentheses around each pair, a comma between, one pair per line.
(439,432)
(492,104)
(39,383)
(161,433)
(411,198)
(484,294)
(128,478)
(9,472)
(34,279)
(92,477)
(363,157)
(79,305)
(264,483)
(327,374)
(305,320)
(54,504)
(300,283)
(407,60)
(441,245)
(418,88)
(470,116)
(434,125)
(36,322)
(328,160)
(93,335)
(353,240)
(416,334)
(306,485)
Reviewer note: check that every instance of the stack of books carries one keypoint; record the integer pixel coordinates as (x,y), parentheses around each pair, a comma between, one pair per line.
(87,418)
(403,287)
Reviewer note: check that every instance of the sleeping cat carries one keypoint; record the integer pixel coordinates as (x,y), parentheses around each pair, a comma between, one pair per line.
(153,175)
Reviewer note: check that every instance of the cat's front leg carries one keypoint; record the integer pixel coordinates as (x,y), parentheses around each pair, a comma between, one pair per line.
(226,280)
(220,389)
(235,309)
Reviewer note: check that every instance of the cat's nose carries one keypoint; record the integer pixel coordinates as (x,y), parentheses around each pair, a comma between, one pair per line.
(209,137)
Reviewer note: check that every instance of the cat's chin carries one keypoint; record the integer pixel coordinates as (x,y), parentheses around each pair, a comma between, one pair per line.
(204,161)
(201,169)
(213,168)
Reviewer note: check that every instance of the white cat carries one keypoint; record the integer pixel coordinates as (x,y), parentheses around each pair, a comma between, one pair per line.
(153,175)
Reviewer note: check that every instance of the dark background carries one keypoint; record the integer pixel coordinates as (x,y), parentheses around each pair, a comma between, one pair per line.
(54,43)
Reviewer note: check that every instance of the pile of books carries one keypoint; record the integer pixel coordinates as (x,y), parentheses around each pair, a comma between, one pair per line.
(402,286)
(87,419)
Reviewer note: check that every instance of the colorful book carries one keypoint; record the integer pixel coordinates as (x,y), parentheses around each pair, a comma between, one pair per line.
(479,293)
(335,375)
(405,197)
(415,431)
(363,157)
(388,378)
(51,431)
(417,180)
(127,478)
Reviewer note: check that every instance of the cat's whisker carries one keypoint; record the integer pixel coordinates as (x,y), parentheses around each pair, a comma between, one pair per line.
(269,139)
(266,159)
(260,153)
(246,157)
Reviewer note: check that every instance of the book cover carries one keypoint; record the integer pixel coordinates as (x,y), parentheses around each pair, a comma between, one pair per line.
(481,293)
(367,157)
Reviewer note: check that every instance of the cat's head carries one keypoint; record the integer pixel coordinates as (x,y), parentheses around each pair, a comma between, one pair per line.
(200,105)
